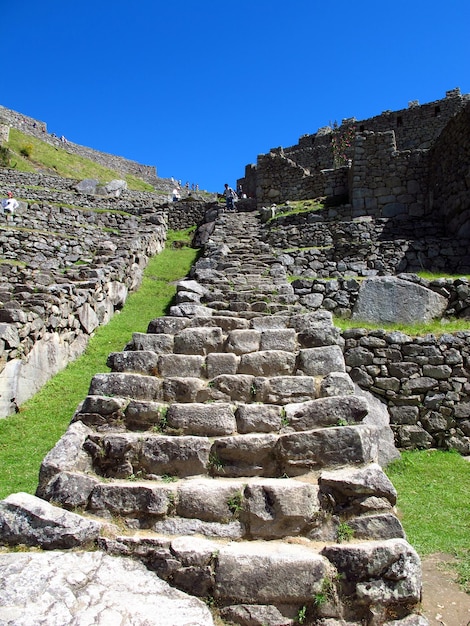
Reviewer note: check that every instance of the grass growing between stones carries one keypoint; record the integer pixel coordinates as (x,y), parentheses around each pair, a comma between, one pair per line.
(25,438)
(434,503)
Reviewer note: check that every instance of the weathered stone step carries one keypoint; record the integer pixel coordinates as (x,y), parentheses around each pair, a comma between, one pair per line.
(223,388)
(242,357)
(123,455)
(274,580)
(219,418)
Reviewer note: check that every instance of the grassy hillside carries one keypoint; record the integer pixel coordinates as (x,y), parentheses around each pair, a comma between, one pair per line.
(29,154)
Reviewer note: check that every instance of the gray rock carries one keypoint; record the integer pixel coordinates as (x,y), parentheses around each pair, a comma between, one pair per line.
(202,419)
(67,454)
(255,615)
(333,411)
(388,299)
(269,573)
(321,361)
(92,587)
(383,572)
(276,508)
(88,185)
(115,187)
(135,361)
(25,519)
(267,363)
(327,447)
(358,483)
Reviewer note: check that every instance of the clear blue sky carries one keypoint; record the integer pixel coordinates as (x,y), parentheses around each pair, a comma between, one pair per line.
(200,88)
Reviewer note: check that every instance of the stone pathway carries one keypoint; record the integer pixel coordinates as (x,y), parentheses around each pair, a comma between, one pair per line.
(230,453)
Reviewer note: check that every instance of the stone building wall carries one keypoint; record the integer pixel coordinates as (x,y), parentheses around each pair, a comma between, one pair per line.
(389,158)
(449,175)
(387,182)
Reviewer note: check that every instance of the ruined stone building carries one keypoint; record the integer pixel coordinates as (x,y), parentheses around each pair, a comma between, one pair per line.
(412,162)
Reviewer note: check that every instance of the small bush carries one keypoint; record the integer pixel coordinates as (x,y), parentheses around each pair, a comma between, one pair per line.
(344,533)
(26,150)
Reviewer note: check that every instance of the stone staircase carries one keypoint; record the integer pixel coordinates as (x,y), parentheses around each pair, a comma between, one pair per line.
(231,454)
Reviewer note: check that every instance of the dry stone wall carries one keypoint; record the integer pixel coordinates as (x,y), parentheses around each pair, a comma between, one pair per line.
(40,188)
(64,272)
(449,175)
(391,169)
(424,380)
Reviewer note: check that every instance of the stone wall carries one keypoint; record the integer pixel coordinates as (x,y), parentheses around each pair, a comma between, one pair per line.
(390,163)
(425,382)
(339,295)
(387,182)
(449,175)
(35,187)
(64,272)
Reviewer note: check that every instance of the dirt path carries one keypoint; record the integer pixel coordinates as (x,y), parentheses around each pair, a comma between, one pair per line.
(444,602)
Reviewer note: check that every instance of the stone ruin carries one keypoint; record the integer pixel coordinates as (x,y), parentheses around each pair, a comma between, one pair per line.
(230,453)
(411,163)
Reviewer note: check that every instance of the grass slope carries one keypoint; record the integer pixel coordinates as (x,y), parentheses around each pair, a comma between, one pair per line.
(46,158)
(434,501)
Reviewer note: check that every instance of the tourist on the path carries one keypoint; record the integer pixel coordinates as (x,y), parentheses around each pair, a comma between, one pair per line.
(230,197)
(9,205)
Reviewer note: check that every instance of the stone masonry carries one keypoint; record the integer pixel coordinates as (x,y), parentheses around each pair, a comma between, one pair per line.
(408,162)
(242,465)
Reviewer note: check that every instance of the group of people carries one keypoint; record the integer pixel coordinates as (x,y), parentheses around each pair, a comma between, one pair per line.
(9,205)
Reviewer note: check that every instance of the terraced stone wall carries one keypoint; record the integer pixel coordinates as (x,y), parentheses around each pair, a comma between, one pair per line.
(64,272)
(450,175)
(389,157)
(42,188)
(425,382)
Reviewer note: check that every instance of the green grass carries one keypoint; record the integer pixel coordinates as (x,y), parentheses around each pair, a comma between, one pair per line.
(295,207)
(44,157)
(25,438)
(434,503)
(418,329)
(434,275)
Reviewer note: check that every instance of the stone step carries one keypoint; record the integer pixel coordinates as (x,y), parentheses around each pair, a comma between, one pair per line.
(149,454)
(310,506)
(223,388)
(275,581)
(219,418)
(241,358)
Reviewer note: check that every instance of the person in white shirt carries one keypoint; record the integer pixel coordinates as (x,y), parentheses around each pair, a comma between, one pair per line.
(10,204)
(230,197)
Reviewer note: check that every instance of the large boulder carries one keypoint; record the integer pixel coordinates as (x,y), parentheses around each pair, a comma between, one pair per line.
(90,588)
(388,299)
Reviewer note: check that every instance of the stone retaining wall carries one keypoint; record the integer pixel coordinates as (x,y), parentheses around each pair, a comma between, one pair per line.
(43,188)
(64,272)
(339,295)
(425,382)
